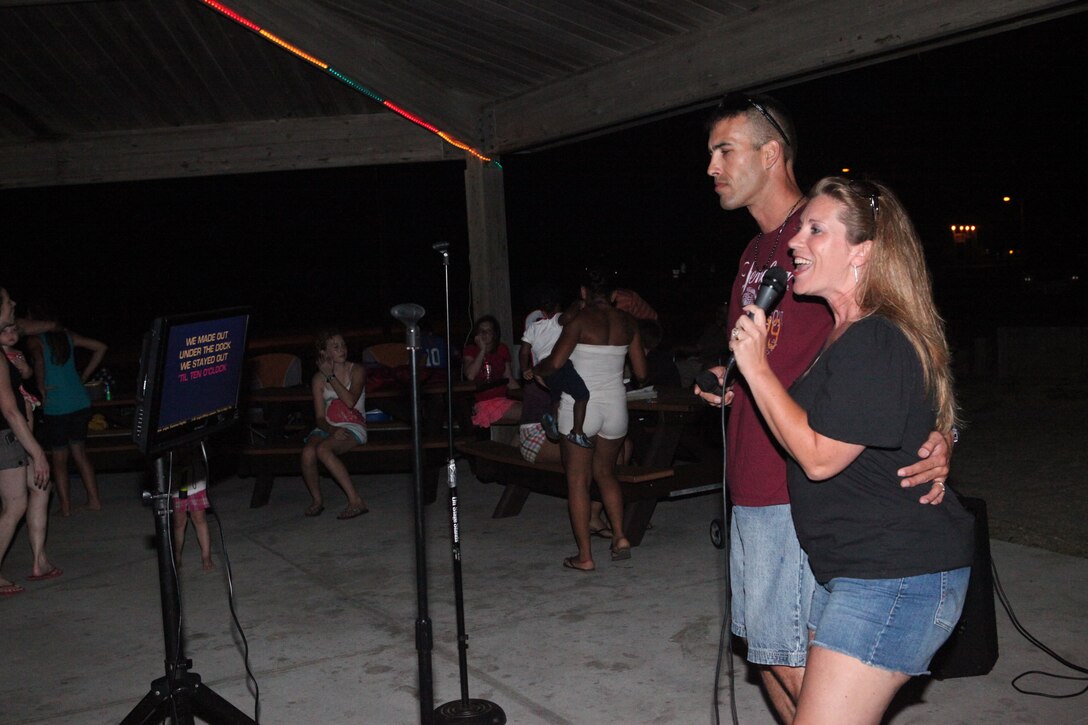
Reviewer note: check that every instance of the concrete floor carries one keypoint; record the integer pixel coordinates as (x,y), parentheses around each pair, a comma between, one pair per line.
(329,610)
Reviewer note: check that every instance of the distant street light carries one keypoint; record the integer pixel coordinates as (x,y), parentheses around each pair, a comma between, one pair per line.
(1020,202)
(963,233)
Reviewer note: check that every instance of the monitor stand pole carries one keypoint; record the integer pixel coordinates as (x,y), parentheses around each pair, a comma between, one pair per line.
(179,695)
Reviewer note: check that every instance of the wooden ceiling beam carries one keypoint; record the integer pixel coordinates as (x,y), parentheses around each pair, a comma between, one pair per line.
(19,3)
(192,151)
(317,30)
(775,42)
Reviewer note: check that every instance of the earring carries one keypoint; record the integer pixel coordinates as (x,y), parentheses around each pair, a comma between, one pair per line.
(855,273)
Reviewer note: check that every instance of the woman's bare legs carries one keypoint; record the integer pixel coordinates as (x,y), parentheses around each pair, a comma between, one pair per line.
(578,464)
(838,688)
(181,522)
(329,452)
(13,498)
(310,475)
(200,525)
(37,523)
(605,453)
(59,460)
(86,472)
(597,524)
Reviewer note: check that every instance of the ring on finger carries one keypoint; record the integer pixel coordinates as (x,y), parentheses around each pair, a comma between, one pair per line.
(736,333)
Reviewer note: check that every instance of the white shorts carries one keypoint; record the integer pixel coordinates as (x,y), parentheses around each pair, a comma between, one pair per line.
(606,415)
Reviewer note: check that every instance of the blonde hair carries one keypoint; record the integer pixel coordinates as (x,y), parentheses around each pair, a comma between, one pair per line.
(896,283)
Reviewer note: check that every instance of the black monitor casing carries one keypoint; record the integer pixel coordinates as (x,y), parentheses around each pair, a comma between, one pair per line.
(190,377)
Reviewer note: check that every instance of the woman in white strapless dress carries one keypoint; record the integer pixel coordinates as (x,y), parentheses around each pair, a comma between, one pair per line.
(597,340)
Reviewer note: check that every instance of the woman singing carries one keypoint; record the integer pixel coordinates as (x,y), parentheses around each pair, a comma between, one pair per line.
(891,574)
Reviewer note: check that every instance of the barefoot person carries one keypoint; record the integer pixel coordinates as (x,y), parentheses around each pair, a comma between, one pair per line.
(891,575)
(598,341)
(24,471)
(190,502)
(339,393)
(66,405)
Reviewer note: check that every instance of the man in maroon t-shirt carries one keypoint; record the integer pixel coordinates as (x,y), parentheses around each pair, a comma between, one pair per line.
(752,146)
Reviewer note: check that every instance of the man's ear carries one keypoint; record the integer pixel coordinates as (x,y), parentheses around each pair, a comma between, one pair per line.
(771,153)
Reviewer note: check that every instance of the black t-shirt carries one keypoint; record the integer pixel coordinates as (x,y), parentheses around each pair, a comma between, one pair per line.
(867,389)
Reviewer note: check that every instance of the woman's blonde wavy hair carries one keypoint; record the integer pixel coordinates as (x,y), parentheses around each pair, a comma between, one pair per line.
(896,283)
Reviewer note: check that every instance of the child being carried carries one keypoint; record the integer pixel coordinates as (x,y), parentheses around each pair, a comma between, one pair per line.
(541,337)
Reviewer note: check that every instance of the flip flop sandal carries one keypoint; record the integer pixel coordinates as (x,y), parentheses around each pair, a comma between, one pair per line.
(568,563)
(51,574)
(352,512)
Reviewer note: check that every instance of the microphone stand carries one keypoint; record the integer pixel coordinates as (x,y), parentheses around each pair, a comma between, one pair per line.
(465,710)
(409,314)
(180,696)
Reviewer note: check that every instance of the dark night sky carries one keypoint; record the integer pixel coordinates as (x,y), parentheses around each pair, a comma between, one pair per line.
(951,130)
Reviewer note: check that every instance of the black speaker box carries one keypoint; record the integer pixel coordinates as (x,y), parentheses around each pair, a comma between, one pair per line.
(972,648)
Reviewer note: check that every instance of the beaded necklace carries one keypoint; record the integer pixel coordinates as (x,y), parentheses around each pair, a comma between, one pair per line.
(777,237)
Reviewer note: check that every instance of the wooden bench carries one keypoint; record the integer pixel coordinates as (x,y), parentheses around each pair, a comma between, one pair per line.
(388,451)
(114,453)
(643,486)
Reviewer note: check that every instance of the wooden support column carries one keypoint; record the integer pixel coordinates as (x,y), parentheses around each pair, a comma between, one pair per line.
(489,262)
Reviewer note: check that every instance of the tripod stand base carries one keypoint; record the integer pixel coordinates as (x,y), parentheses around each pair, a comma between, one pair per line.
(470,712)
(188,698)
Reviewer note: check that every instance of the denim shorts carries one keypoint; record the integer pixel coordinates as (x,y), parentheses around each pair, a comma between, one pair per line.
(12,453)
(357,432)
(771,585)
(893,624)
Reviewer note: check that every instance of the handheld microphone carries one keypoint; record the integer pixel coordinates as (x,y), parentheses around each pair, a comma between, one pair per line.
(770,290)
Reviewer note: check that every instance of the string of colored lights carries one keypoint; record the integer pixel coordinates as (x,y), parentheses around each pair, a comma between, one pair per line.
(346,80)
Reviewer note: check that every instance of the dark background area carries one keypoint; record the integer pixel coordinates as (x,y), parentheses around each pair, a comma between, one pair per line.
(952,130)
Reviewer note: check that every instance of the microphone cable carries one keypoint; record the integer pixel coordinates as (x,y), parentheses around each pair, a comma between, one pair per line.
(230,598)
(169,543)
(1004,599)
(725,640)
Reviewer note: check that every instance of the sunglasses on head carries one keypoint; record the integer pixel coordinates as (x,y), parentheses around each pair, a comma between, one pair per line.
(766,114)
(866,190)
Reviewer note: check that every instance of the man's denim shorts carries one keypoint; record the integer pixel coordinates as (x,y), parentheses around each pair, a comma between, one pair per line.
(893,624)
(771,585)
